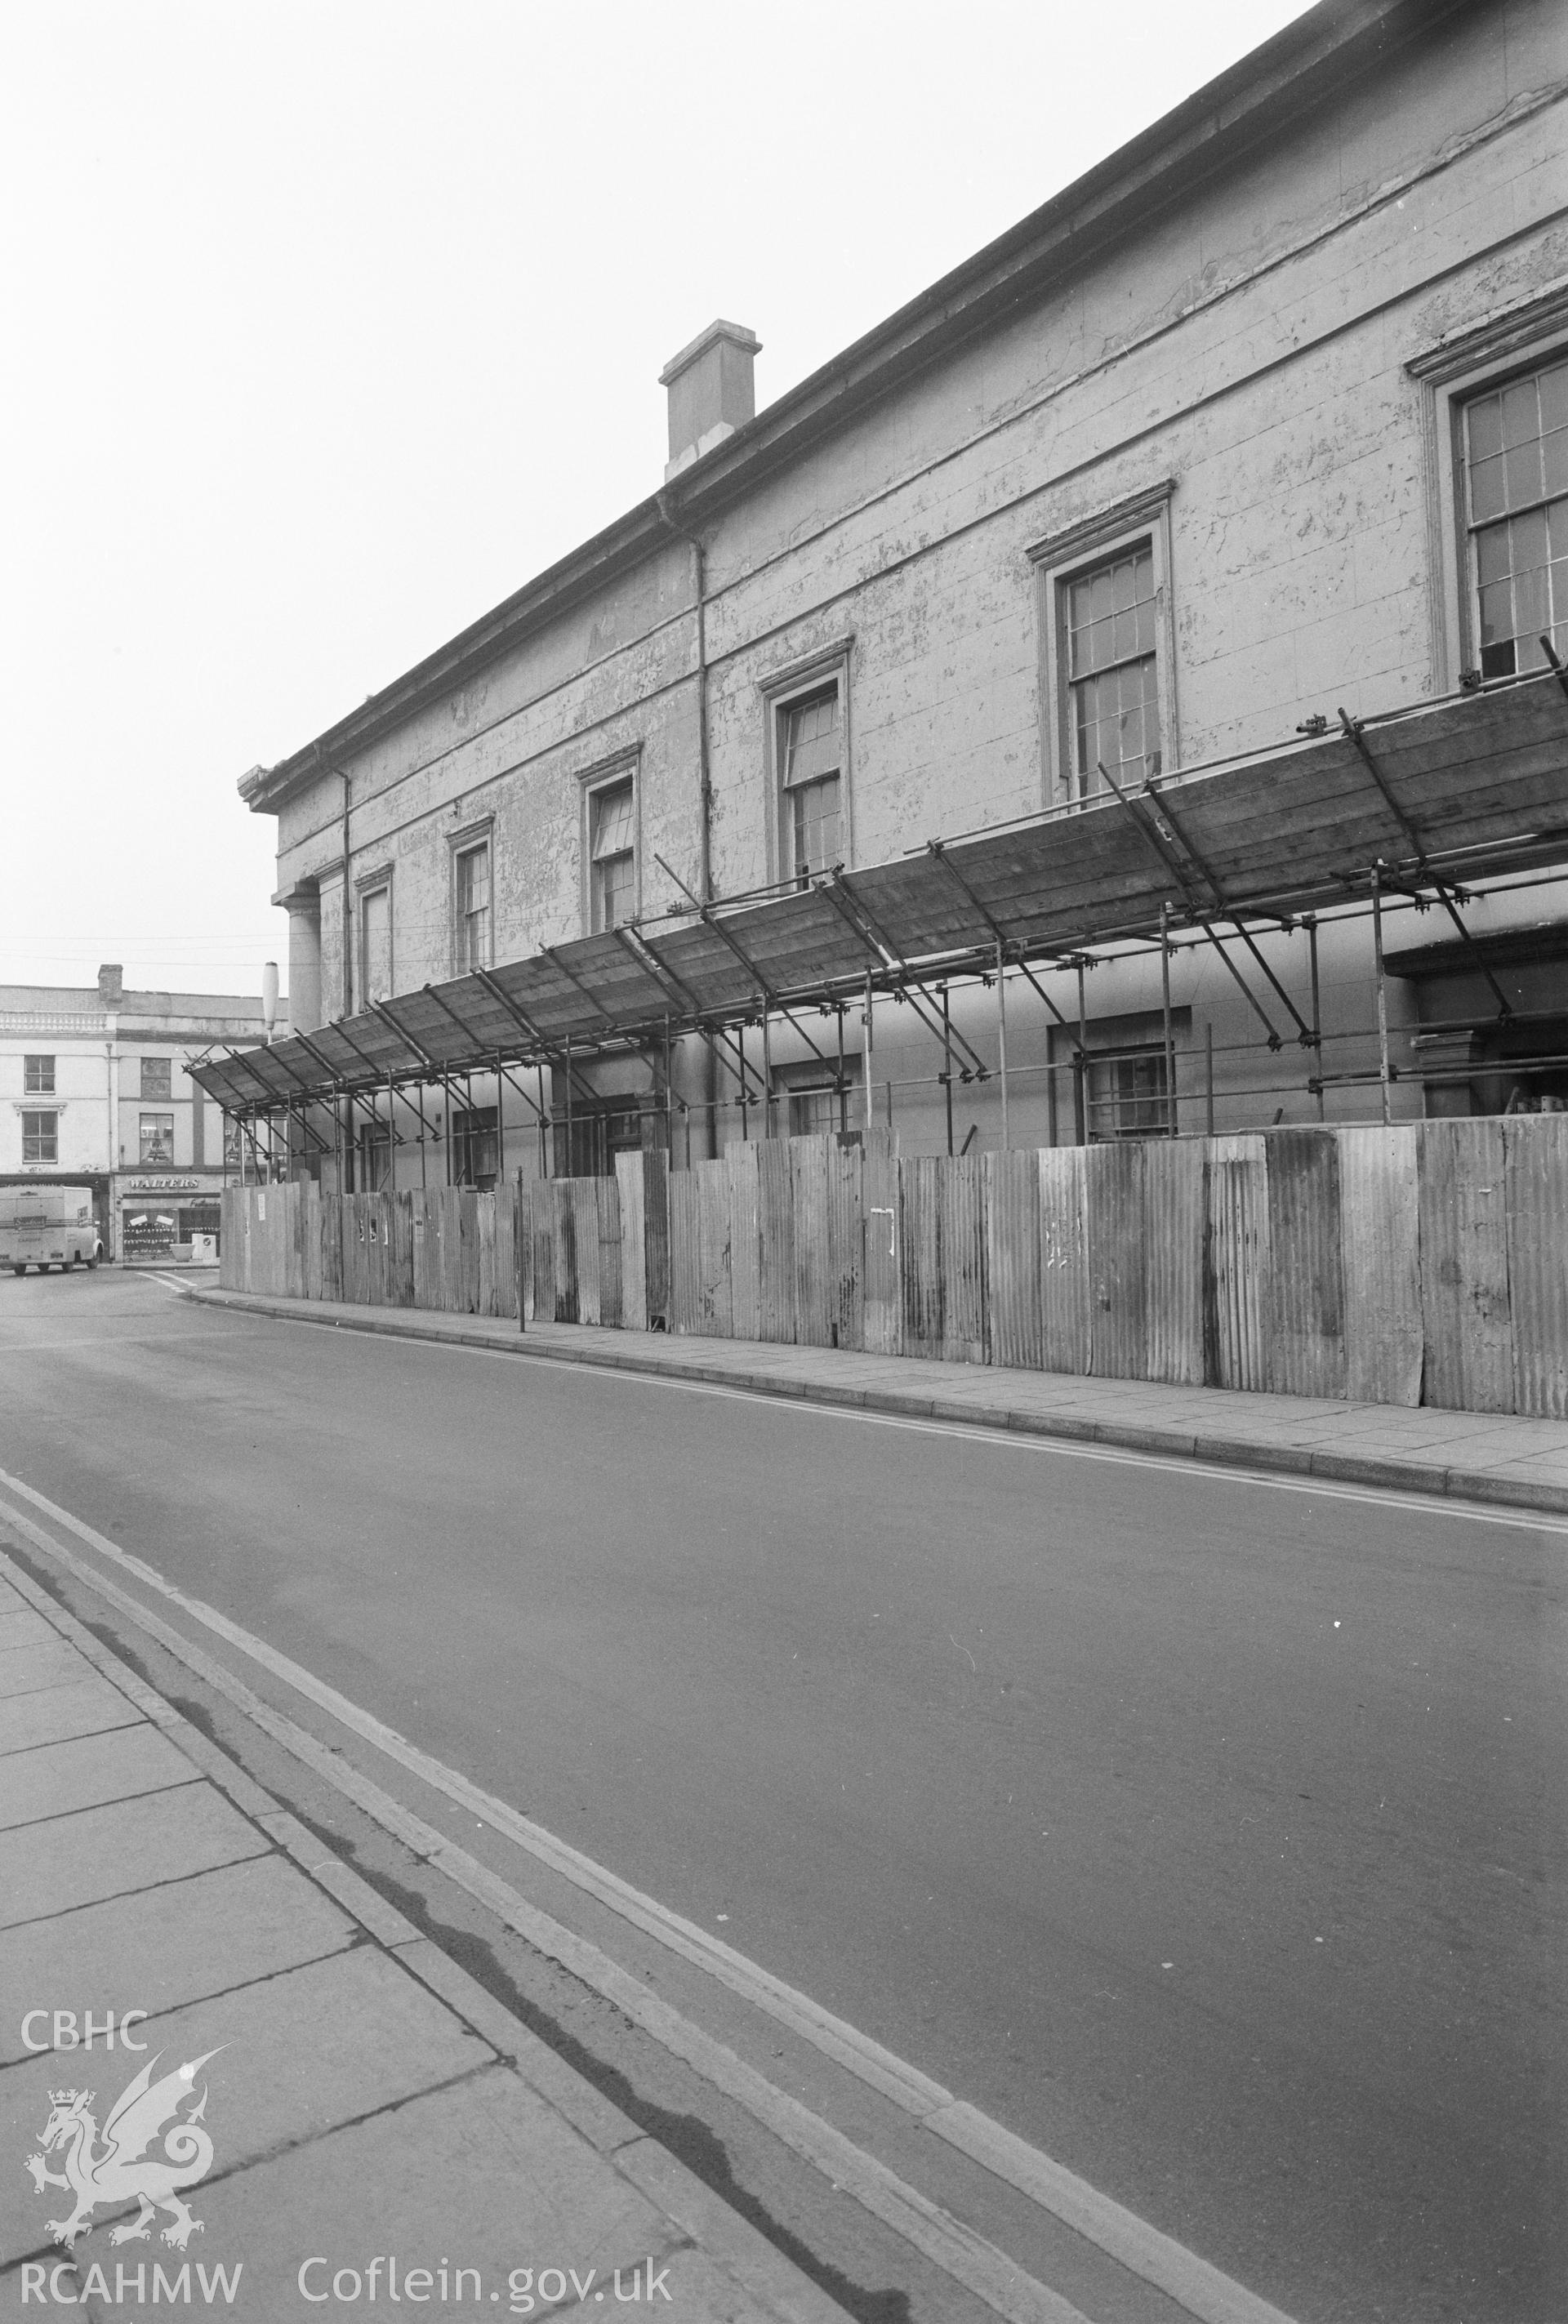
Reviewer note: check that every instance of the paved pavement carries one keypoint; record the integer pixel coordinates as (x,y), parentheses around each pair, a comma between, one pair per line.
(1466,1456)
(365,2099)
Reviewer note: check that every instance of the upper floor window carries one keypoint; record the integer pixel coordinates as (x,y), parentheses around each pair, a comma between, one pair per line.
(472,909)
(612,853)
(157,1138)
(1516,474)
(38,1076)
(811,778)
(41,1137)
(1108,650)
(376,946)
(1110,634)
(157,1077)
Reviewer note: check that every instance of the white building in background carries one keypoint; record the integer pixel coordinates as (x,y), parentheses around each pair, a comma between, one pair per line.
(95,1091)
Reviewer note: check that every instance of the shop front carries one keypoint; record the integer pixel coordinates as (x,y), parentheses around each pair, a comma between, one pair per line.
(169,1219)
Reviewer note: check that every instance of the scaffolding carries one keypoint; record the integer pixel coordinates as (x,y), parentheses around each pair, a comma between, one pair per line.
(1409,810)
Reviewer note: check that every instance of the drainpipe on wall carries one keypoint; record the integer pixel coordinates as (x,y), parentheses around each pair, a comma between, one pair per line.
(705,782)
(347,907)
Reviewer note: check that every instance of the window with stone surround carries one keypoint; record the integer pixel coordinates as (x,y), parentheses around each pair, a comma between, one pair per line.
(38,1076)
(1516,511)
(1107,651)
(39,1136)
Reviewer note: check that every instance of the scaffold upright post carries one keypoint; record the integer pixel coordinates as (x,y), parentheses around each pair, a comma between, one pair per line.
(1170,1082)
(769,1123)
(866,1062)
(1311,926)
(1382,988)
(1080,1063)
(1002,1035)
(948,1063)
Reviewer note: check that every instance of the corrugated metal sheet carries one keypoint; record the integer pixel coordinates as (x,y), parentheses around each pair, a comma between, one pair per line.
(656,1235)
(630,1184)
(1536,1150)
(543,1210)
(1174,1224)
(847,1244)
(713,1209)
(1118,1286)
(1012,1257)
(745,1257)
(815,1286)
(1237,1332)
(1381,1262)
(920,1240)
(963,1259)
(1063,1261)
(583,1195)
(685,1252)
(1307,1320)
(609,1199)
(1466,1316)
(883,1303)
(775,1241)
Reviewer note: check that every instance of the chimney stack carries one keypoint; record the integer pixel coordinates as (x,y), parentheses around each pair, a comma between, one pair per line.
(711,392)
(111,985)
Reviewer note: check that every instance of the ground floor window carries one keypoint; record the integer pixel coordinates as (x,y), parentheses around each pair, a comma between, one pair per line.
(1126,1094)
(147,1232)
(475,1145)
(39,1136)
(819,1097)
(1125,1090)
(373,1159)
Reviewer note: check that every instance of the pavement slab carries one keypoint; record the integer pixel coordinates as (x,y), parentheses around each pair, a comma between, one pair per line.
(172,1945)
(75,1705)
(60,1778)
(353,2108)
(110,1851)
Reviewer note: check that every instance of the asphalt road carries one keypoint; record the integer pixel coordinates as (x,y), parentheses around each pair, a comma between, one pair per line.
(1209,1833)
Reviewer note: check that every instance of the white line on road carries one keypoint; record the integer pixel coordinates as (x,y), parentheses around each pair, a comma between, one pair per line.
(1202,2290)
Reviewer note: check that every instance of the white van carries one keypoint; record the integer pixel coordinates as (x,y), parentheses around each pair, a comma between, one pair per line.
(47,1226)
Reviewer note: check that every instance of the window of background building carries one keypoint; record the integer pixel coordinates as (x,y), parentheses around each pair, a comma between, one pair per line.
(376,952)
(41,1137)
(475,1147)
(472,908)
(811,781)
(1109,629)
(157,1077)
(38,1076)
(1516,458)
(613,849)
(157,1142)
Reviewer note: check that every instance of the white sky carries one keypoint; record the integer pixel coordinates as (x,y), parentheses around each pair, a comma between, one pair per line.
(327,325)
